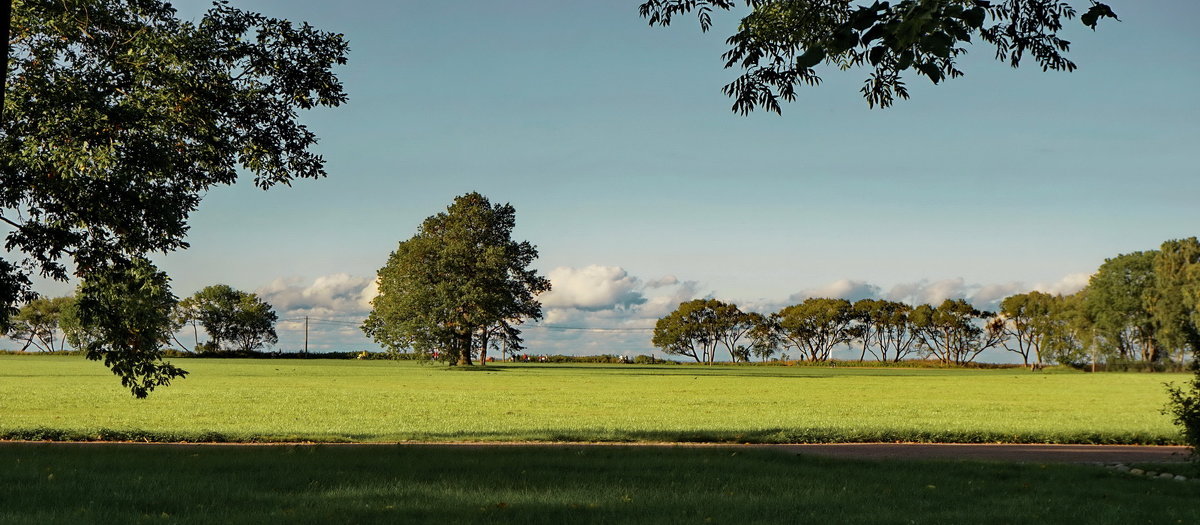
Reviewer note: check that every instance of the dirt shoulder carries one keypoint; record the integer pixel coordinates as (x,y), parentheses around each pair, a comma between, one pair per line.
(999,452)
(1028,453)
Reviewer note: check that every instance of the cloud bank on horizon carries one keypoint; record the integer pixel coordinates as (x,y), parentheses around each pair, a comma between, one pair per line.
(598,309)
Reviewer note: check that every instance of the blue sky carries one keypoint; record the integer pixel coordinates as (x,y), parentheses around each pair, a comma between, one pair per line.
(641,188)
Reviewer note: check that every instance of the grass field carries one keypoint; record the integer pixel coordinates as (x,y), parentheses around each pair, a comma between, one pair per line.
(57,397)
(107,483)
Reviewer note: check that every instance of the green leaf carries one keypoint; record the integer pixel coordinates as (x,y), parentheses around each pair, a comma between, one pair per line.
(876,55)
(930,70)
(877,31)
(974,17)
(811,57)
(1097,11)
(938,44)
(844,40)
(864,18)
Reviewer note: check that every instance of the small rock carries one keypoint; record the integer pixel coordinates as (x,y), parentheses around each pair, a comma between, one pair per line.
(1151,474)
(1166,475)
(1180,478)
(1122,468)
(1137,471)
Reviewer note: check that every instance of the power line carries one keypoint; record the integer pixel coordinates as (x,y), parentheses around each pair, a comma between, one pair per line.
(589,329)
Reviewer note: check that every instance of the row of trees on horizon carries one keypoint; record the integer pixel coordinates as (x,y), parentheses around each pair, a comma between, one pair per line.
(233,320)
(1140,307)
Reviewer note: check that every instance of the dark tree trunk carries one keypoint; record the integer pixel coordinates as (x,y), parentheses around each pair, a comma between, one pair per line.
(464,348)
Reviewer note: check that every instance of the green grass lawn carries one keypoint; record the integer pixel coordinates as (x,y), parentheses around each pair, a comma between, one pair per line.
(57,397)
(108,483)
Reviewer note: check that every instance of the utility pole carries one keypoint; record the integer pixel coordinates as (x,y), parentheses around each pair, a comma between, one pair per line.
(306,334)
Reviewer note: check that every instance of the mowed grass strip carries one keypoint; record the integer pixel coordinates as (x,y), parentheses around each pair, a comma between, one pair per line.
(54,397)
(115,483)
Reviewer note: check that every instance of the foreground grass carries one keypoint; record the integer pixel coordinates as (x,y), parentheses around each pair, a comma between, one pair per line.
(45,397)
(109,483)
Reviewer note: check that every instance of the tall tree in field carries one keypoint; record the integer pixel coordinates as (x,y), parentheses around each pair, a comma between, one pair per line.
(119,117)
(863,329)
(1116,301)
(688,331)
(1028,320)
(1071,337)
(816,326)
(39,324)
(232,318)
(460,274)
(733,327)
(780,42)
(1178,267)
(1173,311)
(955,332)
(697,327)
(766,336)
(888,333)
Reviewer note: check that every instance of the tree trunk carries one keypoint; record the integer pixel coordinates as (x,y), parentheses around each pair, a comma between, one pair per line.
(464,348)
(483,344)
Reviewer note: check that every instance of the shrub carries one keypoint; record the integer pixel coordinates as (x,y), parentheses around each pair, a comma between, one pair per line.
(1184,407)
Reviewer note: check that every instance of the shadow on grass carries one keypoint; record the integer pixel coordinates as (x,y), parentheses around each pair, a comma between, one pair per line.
(783,372)
(551,435)
(475,368)
(414,484)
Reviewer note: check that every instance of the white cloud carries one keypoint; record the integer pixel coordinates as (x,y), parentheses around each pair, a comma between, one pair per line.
(1067,285)
(923,291)
(592,288)
(666,280)
(604,310)
(848,289)
(989,297)
(336,295)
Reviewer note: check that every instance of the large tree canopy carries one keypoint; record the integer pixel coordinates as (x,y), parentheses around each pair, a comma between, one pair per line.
(780,42)
(1115,303)
(39,324)
(453,282)
(697,327)
(232,318)
(119,116)
(817,325)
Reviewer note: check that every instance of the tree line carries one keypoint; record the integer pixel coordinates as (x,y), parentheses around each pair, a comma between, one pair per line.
(953,332)
(1138,308)
(233,320)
